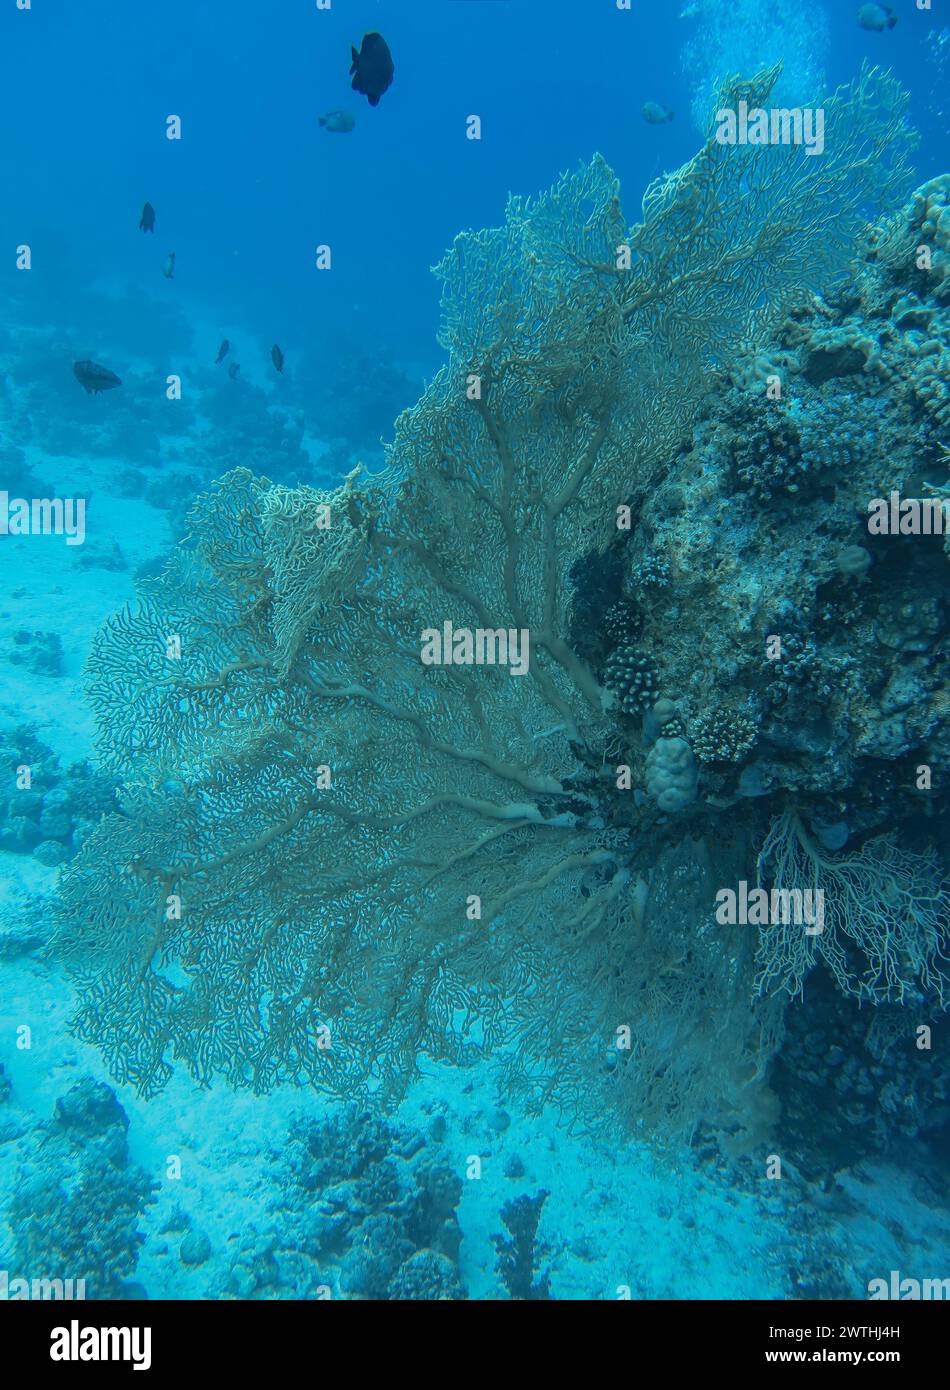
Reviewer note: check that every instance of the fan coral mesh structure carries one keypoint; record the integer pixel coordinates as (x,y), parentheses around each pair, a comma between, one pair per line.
(331,858)
(886,917)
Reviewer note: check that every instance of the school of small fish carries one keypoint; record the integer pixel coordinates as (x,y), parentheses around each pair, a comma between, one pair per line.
(372,70)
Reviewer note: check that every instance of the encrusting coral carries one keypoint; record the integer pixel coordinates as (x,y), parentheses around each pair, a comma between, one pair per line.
(331,857)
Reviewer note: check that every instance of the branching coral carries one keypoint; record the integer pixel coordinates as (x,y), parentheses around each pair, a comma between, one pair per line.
(332,857)
(722,736)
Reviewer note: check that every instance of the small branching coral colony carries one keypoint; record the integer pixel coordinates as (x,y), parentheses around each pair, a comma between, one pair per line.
(331,858)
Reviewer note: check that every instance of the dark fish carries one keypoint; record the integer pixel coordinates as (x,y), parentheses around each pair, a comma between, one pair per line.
(338,122)
(373,66)
(277,357)
(877,18)
(169,271)
(656,113)
(223,351)
(93,378)
(233,370)
(147,221)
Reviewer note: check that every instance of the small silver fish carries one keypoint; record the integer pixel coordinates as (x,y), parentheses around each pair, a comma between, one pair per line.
(169,270)
(338,122)
(233,370)
(656,113)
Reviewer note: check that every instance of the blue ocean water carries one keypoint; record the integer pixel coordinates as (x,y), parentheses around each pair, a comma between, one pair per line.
(258,1046)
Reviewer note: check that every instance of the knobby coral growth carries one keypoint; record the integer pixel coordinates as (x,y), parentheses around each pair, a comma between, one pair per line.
(331,858)
(517,1252)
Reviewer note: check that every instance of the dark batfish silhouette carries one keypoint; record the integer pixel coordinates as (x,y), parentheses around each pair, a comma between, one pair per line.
(94,378)
(223,351)
(233,370)
(147,221)
(373,66)
(277,357)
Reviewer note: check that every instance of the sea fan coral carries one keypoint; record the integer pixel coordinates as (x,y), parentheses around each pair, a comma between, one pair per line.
(886,913)
(331,857)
